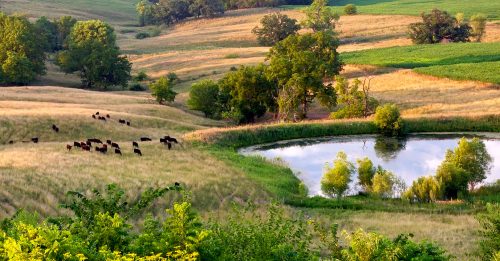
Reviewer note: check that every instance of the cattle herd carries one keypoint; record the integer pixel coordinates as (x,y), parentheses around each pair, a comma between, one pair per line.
(102,147)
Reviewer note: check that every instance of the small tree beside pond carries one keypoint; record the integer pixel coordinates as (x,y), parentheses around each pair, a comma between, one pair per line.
(335,181)
(388,119)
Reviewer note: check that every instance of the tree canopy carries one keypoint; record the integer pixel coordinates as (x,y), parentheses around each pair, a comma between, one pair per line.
(22,56)
(162,90)
(336,179)
(274,28)
(319,17)
(438,26)
(92,51)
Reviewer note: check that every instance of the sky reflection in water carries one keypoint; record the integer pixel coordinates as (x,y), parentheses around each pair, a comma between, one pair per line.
(409,159)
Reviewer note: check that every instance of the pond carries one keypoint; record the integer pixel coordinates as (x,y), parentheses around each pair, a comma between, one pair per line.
(409,158)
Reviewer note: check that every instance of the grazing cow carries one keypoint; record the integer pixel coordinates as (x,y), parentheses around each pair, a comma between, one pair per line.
(118,151)
(11,142)
(177,184)
(145,139)
(83,144)
(121,121)
(68,147)
(135,144)
(88,143)
(104,150)
(93,116)
(102,118)
(108,142)
(170,139)
(77,144)
(138,152)
(107,116)
(115,145)
(97,149)
(34,140)
(163,140)
(95,140)
(128,123)
(97,113)
(55,128)
(87,148)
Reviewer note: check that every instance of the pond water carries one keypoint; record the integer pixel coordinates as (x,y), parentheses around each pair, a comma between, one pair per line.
(408,158)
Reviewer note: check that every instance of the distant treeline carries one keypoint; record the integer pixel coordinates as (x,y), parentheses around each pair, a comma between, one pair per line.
(173,11)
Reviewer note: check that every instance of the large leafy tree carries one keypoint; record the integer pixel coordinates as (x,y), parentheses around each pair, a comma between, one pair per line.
(274,28)
(247,94)
(47,30)
(92,51)
(438,26)
(204,97)
(319,17)
(21,51)
(207,8)
(299,65)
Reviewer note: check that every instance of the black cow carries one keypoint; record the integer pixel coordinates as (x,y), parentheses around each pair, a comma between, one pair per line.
(97,113)
(77,144)
(107,116)
(95,140)
(135,144)
(108,142)
(171,139)
(118,151)
(121,121)
(138,152)
(163,140)
(145,139)
(55,128)
(93,116)
(11,142)
(177,184)
(128,123)
(115,145)
(35,140)
(88,143)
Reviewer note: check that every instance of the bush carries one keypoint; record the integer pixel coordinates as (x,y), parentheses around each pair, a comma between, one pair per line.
(424,190)
(350,9)
(478,25)
(232,56)
(388,119)
(172,77)
(142,35)
(438,26)
(136,87)
(141,76)
(490,224)
(336,180)
(162,90)
(203,97)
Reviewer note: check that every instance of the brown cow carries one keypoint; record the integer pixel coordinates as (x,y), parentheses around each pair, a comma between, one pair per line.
(68,147)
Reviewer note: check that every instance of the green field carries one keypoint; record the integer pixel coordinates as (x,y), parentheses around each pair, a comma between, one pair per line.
(413,7)
(461,61)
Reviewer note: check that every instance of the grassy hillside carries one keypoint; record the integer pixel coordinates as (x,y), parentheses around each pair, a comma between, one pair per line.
(471,57)
(412,7)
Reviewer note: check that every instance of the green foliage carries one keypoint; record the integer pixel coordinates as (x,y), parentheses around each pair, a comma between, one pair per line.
(207,8)
(64,27)
(487,193)
(94,54)
(350,9)
(438,26)
(478,25)
(204,96)
(424,190)
(298,65)
(173,11)
(366,171)
(246,94)
(336,180)
(319,17)
(353,103)
(142,35)
(453,180)
(274,28)
(136,87)
(384,183)
(22,56)
(388,119)
(490,224)
(473,158)
(162,90)
(172,77)
(140,77)
(47,30)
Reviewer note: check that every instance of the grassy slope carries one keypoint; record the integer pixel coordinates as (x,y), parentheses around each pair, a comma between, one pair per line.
(462,56)
(412,7)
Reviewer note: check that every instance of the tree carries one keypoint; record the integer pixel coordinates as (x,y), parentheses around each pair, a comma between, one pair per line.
(203,97)
(319,17)
(383,183)
(336,180)
(207,8)
(453,180)
(388,119)
(388,148)
(424,189)
(438,26)
(298,65)
(366,171)
(22,56)
(275,27)
(47,30)
(478,25)
(473,157)
(94,54)
(247,94)
(64,27)
(350,9)
(352,101)
(145,11)
(162,90)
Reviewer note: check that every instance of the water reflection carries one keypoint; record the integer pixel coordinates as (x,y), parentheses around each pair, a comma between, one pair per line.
(408,158)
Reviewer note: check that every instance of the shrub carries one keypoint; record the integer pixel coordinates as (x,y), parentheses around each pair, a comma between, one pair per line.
(142,35)
(336,180)
(232,56)
(350,9)
(490,224)
(478,24)
(172,77)
(203,97)
(162,90)
(388,119)
(141,76)
(424,190)
(136,87)
(383,183)
(366,171)
(352,101)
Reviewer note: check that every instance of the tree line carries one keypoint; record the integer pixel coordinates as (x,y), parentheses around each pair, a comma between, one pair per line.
(173,11)
(86,47)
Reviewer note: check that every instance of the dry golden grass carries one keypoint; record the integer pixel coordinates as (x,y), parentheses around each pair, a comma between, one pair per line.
(420,95)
